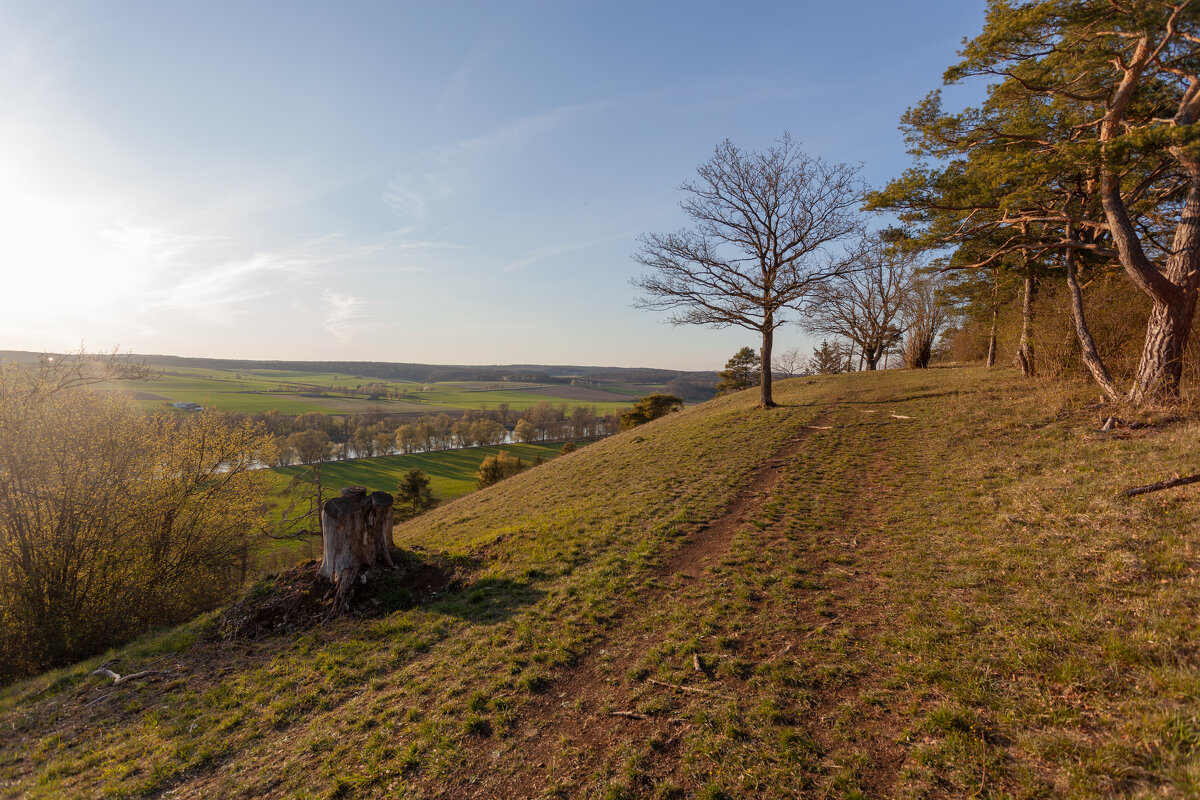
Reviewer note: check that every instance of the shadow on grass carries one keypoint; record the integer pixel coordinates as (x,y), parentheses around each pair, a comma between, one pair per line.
(488,601)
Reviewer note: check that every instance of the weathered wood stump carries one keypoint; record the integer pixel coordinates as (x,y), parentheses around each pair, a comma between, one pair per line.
(357,532)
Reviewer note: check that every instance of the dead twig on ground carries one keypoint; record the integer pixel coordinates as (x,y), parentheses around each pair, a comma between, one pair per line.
(677,687)
(1158,487)
(99,699)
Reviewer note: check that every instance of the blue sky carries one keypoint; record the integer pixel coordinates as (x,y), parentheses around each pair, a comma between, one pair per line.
(441,182)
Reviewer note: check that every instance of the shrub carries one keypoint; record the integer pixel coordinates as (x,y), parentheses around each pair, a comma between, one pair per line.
(498,467)
(113,521)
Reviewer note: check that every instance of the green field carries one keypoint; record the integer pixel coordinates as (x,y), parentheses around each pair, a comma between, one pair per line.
(254,391)
(451,472)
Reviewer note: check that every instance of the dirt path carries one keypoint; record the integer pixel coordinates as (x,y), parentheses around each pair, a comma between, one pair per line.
(588,704)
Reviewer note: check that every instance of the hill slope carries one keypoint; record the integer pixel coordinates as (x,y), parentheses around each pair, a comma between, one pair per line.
(897,584)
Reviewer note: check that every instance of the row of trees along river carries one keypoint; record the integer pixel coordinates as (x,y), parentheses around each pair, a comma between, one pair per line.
(315,436)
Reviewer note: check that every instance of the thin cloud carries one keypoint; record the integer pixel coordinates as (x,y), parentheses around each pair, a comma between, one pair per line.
(554,251)
(446,170)
(345,316)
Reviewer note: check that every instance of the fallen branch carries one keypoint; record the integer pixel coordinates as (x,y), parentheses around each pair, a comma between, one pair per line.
(900,416)
(124,678)
(687,688)
(627,714)
(1158,487)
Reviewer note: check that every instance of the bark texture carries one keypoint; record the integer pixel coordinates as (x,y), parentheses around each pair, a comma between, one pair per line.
(1087,345)
(1025,347)
(768,400)
(1161,366)
(991,356)
(357,531)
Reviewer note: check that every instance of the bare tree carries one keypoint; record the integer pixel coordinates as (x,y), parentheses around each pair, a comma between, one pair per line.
(924,317)
(764,236)
(863,307)
(790,363)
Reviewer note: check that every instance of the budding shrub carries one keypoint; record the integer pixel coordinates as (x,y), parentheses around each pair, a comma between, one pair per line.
(113,521)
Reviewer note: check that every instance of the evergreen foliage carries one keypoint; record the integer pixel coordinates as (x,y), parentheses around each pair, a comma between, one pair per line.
(827,359)
(650,407)
(743,370)
(413,495)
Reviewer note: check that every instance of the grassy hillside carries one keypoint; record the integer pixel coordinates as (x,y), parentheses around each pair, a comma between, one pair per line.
(896,584)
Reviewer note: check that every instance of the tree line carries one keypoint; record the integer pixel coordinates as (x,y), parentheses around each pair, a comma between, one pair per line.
(316,436)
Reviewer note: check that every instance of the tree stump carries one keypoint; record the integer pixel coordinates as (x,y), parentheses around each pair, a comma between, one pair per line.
(357,533)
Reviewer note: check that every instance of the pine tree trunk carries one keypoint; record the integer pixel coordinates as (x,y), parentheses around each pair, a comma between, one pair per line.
(1170,320)
(1087,345)
(991,356)
(1025,347)
(357,532)
(1161,367)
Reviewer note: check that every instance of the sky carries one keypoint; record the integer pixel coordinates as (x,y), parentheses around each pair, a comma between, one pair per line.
(436,182)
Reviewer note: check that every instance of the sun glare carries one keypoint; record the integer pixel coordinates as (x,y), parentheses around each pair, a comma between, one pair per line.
(58,261)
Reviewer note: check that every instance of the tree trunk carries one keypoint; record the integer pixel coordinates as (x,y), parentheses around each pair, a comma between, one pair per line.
(1087,345)
(1170,320)
(357,531)
(765,364)
(1161,366)
(991,356)
(1025,347)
